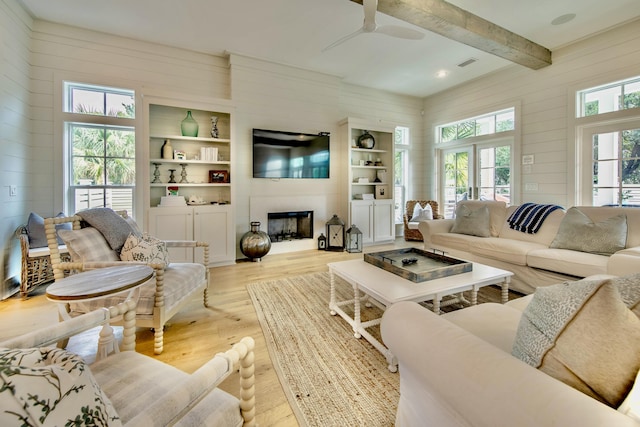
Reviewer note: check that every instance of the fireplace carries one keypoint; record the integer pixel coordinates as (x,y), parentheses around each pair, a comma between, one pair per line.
(286,226)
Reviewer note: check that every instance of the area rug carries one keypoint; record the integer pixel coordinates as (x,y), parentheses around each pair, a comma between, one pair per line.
(330,377)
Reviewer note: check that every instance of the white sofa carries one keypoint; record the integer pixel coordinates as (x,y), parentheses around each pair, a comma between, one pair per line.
(529,256)
(457,370)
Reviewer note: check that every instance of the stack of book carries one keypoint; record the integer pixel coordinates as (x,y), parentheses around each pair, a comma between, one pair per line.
(209,154)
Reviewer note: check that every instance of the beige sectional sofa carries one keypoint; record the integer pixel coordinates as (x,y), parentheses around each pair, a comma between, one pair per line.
(529,256)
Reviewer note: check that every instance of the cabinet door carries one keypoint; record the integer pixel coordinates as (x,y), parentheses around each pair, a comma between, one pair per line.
(383,225)
(362,217)
(214,225)
(173,224)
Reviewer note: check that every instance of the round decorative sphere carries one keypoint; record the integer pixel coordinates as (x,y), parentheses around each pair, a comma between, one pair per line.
(255,244)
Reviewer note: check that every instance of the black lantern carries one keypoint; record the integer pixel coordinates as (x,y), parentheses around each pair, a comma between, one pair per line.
(322,242)
(335,234)
(354,239)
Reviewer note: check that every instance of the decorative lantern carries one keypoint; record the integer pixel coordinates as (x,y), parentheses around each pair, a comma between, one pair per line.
(335,234)
(322,242)
(354,239)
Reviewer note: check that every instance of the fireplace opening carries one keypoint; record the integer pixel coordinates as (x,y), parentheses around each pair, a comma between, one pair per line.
(283,226)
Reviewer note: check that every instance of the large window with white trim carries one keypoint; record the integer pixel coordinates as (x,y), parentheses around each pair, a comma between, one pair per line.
(401,171)
(608,144)
(99,135)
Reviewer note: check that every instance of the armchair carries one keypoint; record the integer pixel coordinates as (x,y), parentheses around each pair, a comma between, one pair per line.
(142,390)
(411,232)
(167,293)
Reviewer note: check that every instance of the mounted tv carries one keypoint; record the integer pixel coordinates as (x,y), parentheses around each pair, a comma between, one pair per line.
(278,154)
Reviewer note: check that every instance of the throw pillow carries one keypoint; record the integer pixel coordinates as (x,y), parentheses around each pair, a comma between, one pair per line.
(35,230)
(583,334)
(146,249)
(422,214)
(87,245)
(51,387)
(472,222)
(579,233)
(113,227)
(631,404)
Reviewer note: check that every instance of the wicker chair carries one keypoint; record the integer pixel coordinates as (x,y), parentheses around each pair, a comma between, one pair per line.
(36,263)
(413,234)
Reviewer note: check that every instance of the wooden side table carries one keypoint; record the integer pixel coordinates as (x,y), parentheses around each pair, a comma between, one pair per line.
(100,283)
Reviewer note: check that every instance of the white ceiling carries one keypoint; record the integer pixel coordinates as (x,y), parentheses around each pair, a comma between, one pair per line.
(295,32)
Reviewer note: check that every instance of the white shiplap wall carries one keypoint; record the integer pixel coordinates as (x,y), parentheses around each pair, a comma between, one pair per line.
(15,127)
(544,96)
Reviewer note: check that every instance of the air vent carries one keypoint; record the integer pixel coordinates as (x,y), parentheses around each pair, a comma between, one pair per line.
(467,62)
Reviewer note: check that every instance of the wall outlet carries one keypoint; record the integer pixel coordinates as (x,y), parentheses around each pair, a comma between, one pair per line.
(531,186)
(13,191)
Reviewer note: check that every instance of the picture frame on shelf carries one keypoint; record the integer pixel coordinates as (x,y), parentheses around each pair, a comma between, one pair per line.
(382,191)
(219,176)
(179,155)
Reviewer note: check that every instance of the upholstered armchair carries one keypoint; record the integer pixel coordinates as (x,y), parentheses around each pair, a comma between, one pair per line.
(94,244)
(121,388)
(411,232)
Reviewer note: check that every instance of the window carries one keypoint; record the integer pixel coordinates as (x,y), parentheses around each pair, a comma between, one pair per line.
(100,145)
(608,146)
(401,171)
(475,159)
(488,124)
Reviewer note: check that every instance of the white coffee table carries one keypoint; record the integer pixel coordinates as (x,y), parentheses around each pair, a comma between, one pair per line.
(382,288)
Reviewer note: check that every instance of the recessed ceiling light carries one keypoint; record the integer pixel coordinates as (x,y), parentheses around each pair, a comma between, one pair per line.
(442,73)
(563,19)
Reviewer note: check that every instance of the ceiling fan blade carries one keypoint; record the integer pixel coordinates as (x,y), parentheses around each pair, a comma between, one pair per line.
(343,39)
(400,32)
(370,9)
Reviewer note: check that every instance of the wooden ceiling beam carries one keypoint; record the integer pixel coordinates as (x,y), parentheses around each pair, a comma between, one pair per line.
(457,24)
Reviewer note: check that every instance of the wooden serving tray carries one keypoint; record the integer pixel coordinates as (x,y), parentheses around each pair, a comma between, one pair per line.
(423,265)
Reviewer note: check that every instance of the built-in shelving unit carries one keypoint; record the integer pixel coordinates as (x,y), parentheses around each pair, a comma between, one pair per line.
(368,191)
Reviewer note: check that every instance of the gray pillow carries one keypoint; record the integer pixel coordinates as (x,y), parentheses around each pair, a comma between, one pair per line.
(579,233)
(113,227)
(472,222)
(35,230)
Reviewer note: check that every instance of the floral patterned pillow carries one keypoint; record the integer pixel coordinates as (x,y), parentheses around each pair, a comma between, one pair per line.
(145,249)
(51,387)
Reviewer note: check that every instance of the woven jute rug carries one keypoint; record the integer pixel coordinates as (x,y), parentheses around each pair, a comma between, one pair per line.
(330,377)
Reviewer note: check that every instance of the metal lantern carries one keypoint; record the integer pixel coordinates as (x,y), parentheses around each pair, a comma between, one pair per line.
(322,242)
(354,239)
(335,234)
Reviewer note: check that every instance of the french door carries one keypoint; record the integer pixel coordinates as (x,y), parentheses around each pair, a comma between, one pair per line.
(475,171)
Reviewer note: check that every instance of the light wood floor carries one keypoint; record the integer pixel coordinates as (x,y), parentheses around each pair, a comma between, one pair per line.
(196,333)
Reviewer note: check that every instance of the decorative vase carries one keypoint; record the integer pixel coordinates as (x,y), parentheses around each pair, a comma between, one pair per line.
(189,126)
(255,244)
(167,150)
(214,127)
(366,140)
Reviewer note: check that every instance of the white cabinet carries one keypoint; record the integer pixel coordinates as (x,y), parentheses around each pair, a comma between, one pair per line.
(375,218)
(211,224)
(367,193)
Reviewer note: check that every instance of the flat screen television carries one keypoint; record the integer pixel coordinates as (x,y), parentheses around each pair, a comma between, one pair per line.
(278,154)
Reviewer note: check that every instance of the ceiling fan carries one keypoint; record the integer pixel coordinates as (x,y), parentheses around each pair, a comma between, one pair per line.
(370,8)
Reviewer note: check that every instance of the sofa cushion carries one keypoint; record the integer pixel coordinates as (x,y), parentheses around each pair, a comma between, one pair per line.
(494,323)
(422,214)
(497,213)
(113,227)
(51,387)
(631,404)
(601,213)
(511,251)
(474,222)
(460,242)
(87,245)
(565,261)
(583,334)
(578,232)
(35,230)
(145,248)
(545,234)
